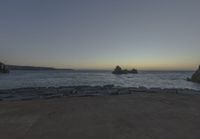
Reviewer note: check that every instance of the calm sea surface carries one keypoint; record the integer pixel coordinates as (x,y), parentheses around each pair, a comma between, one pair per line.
(19,79)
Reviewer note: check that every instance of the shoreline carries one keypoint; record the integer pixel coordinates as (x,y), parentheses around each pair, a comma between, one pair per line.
(34,93)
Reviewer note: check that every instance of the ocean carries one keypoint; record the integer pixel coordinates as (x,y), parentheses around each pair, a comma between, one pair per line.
(56,78)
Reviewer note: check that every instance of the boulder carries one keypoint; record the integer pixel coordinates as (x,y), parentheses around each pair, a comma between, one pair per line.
(196,76)
(3,68)
(119,70)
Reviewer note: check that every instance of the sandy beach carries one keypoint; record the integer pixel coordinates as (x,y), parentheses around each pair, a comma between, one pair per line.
(139,115)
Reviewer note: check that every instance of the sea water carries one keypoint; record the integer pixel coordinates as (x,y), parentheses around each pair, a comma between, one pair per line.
(56,78)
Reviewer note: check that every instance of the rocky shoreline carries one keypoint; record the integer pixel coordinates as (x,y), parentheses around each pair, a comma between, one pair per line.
(3,68)
(33,93)
(196,76)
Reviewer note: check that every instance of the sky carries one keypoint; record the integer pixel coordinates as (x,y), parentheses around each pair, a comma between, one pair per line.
(100,34)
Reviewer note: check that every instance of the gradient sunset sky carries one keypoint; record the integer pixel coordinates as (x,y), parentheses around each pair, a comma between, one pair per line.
(100,34)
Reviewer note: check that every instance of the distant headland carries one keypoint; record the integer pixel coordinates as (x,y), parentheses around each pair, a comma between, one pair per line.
(6,68)
(15,67)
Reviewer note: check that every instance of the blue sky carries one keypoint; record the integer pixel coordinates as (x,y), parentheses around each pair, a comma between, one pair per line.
(99,34)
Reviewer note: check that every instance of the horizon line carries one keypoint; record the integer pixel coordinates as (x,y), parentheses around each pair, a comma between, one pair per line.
(105,69)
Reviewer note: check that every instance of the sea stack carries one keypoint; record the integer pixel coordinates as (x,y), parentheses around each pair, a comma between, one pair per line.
(196,76)
(3,68)
(119,70)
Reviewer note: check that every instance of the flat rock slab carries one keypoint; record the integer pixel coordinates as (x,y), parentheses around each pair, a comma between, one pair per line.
(56,92)
(131,116)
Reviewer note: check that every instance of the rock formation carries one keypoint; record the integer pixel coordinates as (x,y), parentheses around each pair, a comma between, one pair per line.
(119,70)
(196,76)
(3,68)
(134,71)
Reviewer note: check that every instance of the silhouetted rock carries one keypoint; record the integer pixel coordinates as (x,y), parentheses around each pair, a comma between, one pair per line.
(196,76)
(133,71)
(3,68)
(118,70)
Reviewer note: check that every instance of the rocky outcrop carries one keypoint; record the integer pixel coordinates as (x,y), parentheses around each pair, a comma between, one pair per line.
(134,71)
(196,76)
(119,70)
(82,91)
(3,68)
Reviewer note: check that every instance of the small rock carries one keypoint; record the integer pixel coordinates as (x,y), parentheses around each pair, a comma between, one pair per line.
(65,91)
(124,91)
(53,96)
(154,90)
(142,89)
(108,86)
(173,91)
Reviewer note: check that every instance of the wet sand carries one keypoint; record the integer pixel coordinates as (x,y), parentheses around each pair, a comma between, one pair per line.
(130,116)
